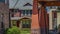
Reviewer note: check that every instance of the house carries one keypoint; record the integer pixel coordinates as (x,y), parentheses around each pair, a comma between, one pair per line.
(21,13)
(4,16)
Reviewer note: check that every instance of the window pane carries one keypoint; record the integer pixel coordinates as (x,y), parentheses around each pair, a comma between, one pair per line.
(23,12)
(27,12)
(12,15)
(26,24)
(30,11)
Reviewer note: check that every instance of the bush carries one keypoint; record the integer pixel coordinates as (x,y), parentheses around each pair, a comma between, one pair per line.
(13,30)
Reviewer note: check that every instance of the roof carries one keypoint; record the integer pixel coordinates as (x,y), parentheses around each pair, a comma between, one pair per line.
(19,4)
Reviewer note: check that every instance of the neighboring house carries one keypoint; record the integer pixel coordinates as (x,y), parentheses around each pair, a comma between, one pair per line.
(54,17)
(21,12)
(20,9)
(4,16)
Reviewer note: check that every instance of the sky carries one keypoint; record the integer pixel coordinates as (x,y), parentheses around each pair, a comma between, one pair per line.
(47,8)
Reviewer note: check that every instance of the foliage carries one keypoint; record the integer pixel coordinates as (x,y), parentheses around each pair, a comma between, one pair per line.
(25,31)
(13,30)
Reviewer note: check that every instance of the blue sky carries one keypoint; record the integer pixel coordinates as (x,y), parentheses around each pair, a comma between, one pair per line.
(47,8)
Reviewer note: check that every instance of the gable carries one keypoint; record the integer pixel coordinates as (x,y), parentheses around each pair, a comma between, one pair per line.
(27,4)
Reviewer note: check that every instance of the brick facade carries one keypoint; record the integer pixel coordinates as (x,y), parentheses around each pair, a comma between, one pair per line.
(4,16)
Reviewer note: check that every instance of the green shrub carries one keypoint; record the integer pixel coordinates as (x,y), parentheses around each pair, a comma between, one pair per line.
(13,30)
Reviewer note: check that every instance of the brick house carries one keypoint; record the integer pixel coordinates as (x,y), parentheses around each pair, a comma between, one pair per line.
(4,16)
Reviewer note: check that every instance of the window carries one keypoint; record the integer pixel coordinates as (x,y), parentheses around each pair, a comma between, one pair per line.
(26,24)
(13,23)
(14,12)
(26,12)
(53,7)
(23,12)
(12,15)
(31,12)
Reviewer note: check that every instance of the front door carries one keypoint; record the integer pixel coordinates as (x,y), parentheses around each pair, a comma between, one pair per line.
(17,23)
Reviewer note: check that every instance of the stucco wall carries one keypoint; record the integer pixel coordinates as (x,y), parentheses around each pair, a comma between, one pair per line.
(50,20)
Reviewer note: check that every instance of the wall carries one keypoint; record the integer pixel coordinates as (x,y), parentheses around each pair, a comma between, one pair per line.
(5,11)
(58,18)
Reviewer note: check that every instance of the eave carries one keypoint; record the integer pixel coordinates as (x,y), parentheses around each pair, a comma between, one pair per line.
(50,3)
